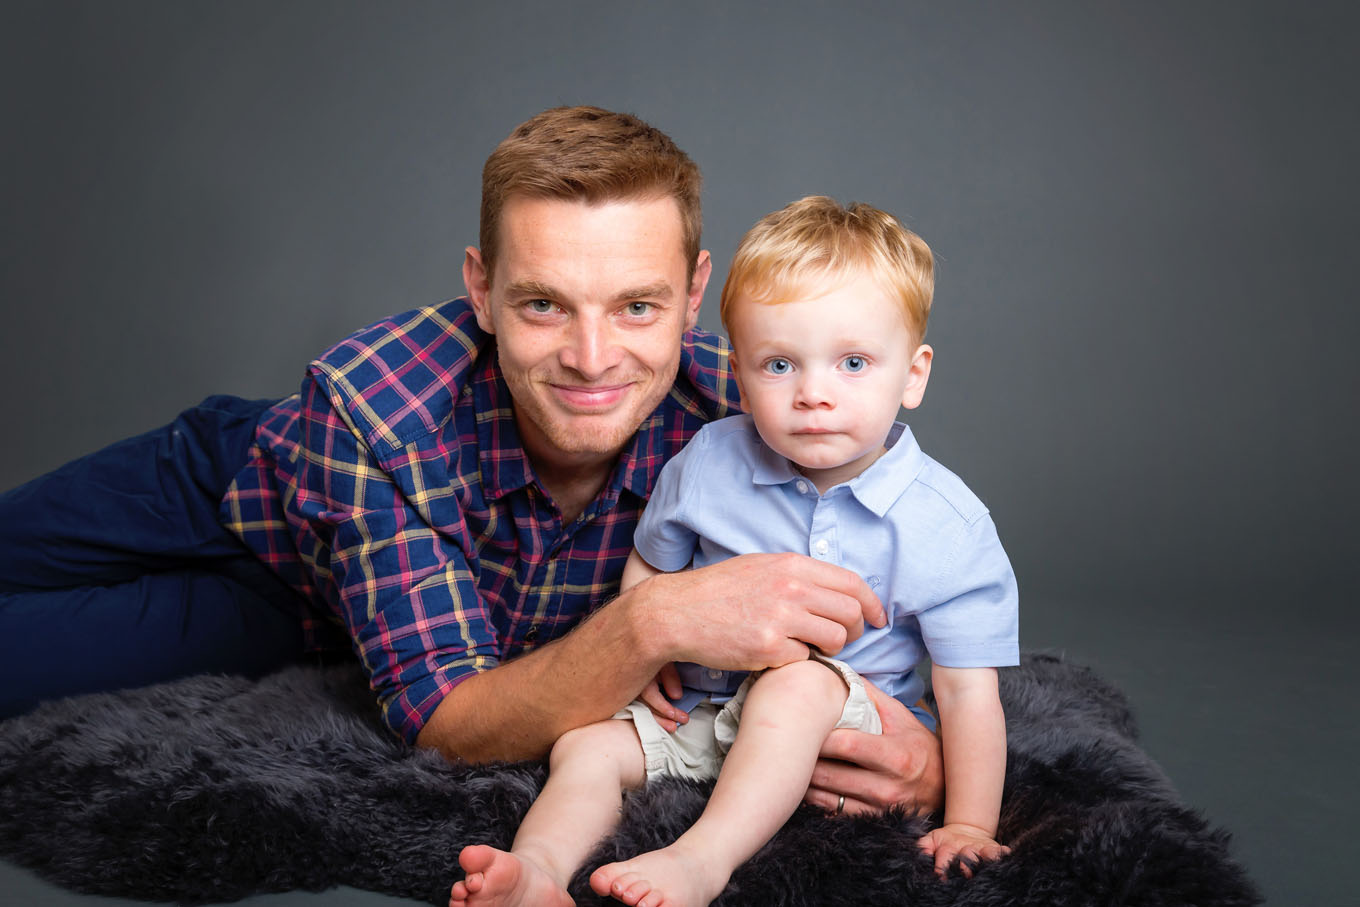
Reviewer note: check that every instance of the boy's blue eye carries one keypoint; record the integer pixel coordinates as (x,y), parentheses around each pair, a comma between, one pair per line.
(778,366)
(855,363)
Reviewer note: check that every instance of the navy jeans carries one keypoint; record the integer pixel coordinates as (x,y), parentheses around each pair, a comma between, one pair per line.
(115,572)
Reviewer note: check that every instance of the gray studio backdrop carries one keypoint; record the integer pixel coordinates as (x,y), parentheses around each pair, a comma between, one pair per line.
(1143,216)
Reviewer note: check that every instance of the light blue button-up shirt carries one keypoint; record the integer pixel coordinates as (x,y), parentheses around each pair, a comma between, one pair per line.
(922,541)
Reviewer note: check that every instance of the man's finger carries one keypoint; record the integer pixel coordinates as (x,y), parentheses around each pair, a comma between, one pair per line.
(851,600)
(661,706)
(669,676)
(824,634)
(831,803)
(855,783)
(902,766)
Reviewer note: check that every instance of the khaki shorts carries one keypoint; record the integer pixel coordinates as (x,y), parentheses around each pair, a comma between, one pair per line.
(697,749)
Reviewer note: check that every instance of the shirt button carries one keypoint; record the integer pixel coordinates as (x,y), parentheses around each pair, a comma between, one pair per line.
(715,674)
(822,546)
(802,487)
(531,634)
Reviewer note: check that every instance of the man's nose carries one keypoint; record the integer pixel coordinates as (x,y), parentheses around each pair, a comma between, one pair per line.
(591,349)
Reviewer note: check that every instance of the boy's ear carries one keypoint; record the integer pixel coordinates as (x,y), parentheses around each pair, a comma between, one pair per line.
(736,376)
(478,288)
(917,377)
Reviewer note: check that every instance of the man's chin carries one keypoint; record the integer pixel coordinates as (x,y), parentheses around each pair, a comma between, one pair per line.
(592,435)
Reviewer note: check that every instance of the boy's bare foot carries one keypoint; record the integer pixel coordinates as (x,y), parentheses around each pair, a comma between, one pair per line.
(496,878)
(672,877)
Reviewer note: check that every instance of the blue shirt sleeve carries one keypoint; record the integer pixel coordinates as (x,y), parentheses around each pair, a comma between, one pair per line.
(976,623)
(665,537)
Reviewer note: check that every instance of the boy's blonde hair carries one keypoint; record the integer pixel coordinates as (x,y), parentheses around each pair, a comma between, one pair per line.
(815,239)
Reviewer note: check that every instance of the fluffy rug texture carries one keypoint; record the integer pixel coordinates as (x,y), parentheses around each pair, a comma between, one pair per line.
(213,788)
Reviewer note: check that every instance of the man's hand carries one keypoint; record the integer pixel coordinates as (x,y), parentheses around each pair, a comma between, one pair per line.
(746,613)
(758,611)
(903,766)
(658,694)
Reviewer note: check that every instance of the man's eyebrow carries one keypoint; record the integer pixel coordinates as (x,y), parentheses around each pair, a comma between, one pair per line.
(538,289)
(661,290)
(531,288)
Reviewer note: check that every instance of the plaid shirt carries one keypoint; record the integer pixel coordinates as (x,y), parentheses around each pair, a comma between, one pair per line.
(394,494)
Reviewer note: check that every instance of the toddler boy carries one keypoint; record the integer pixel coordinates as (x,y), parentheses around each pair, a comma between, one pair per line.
(826,308)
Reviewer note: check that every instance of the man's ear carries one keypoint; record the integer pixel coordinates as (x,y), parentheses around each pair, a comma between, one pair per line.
(478,288)
(917,377)
(703,270)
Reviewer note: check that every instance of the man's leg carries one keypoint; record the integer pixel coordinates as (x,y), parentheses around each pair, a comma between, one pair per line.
(787,715)
(589,769)
(114,569)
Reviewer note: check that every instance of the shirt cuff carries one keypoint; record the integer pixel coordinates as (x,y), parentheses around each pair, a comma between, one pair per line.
(992,655)
(409,711)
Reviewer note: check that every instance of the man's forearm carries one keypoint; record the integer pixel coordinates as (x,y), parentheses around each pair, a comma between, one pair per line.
(749,612)
(519,709)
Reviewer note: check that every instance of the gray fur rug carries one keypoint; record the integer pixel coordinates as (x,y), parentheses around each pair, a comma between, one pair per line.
(214,788)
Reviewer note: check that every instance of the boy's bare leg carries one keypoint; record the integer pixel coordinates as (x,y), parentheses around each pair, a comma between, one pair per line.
(588,770)
(787,715)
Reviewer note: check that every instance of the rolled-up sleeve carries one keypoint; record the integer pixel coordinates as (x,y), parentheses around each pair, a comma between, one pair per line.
(404,590)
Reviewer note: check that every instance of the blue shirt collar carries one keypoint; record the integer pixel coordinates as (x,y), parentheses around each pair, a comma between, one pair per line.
(876,488)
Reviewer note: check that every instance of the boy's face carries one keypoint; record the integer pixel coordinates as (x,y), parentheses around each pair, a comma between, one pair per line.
(823,375)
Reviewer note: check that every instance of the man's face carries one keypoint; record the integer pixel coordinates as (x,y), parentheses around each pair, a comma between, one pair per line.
(824,375)
(588,305)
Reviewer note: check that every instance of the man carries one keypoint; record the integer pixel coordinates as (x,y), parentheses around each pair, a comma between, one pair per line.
(455,489)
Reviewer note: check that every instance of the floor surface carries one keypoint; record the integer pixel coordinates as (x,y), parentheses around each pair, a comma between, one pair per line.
(1248,705)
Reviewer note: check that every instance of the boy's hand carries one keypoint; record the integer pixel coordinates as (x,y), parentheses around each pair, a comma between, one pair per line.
(667,680)
(966,843)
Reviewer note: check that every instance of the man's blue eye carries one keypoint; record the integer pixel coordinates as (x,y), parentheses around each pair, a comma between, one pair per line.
(539,306)
(778,366)
(639,308)
(854,363)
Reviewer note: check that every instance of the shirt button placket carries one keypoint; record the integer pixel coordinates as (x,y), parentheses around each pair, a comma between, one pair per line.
(823,534)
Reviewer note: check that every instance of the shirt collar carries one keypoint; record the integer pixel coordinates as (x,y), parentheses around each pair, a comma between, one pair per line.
(877,488)
(654,443)
(504,466)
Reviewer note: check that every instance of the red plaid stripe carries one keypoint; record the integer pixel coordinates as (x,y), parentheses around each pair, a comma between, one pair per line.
(392,492)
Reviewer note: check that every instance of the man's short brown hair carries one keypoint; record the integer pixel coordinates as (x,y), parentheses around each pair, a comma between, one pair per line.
(593,155)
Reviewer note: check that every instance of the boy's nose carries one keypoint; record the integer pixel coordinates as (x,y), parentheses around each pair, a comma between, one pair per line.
(813,393)
(590,349)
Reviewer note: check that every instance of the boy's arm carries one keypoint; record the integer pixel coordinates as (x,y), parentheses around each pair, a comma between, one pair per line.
(635,571)
(665,686)
(974,730)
